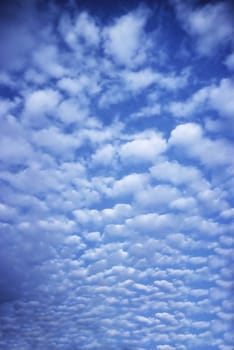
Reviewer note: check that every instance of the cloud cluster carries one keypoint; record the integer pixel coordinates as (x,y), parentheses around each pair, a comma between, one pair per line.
(115,213)
(211,25)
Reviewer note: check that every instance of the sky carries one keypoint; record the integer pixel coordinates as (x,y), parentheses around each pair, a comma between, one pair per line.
(116,175)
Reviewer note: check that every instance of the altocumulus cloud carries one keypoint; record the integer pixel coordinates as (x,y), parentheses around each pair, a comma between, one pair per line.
(116,175)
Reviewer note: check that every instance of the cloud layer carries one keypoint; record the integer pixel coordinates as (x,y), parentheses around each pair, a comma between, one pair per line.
(116,178)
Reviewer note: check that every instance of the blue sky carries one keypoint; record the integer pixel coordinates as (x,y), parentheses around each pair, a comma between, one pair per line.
(116,175)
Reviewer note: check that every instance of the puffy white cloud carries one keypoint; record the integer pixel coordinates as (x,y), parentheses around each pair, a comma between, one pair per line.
(166,347)
(144,78)
(168,286)
(56,142)
(148,111)
(93,236)
(104,155)
(46,59)
(145,147)
(7,213)
(211,25)
(82,28)
(165,316)
(183,203)
(86,28)
(15,150)
(127,82)
(115,215)
(229,61)
(209,152)
(70,85)
(57,224)
(128,29)
(39,104)
(117,231)
(139,80)
(217,97)
(84,84)
(190,106)
(227,213)
(160,197)
(118,212)
(152,222)
(129,185)
(178,174)
(221,98)
(6,105)
(206,226)
(186,134)
(212,200)
(87,216)
(69,111)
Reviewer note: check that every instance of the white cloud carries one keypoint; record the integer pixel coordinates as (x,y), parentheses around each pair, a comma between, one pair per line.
(70,85)
(127,82)
(212,200)
(81,29)
(7,213)
(184,203)
(46,59)
(168,286)
(206,226)
(172,81)
(213,125)
(104,155)
(146,77)
(188,107)
(182,241)
(70,111)
(227,213)
(152,222)
(128,29)
(117,231)
(158,197)
(166,316)
(86,28)
(93,236)
(166,347)
(98,218)
(39,104)
(96,134)
(57,224)
(190,137)
(84,84)
(178,174)
(148,111)
(145,147)
(7,105)
(15,150)
(117,213)
(113,95)
(138,80)
(186,134)
(55,141)
(229,61)
(210,25)
(222,98)
(217,97)
(129,185)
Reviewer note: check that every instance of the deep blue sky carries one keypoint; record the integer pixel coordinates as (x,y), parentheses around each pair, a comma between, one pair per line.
(116,175)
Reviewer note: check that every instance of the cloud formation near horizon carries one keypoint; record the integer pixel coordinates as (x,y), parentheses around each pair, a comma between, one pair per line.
(116,177)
